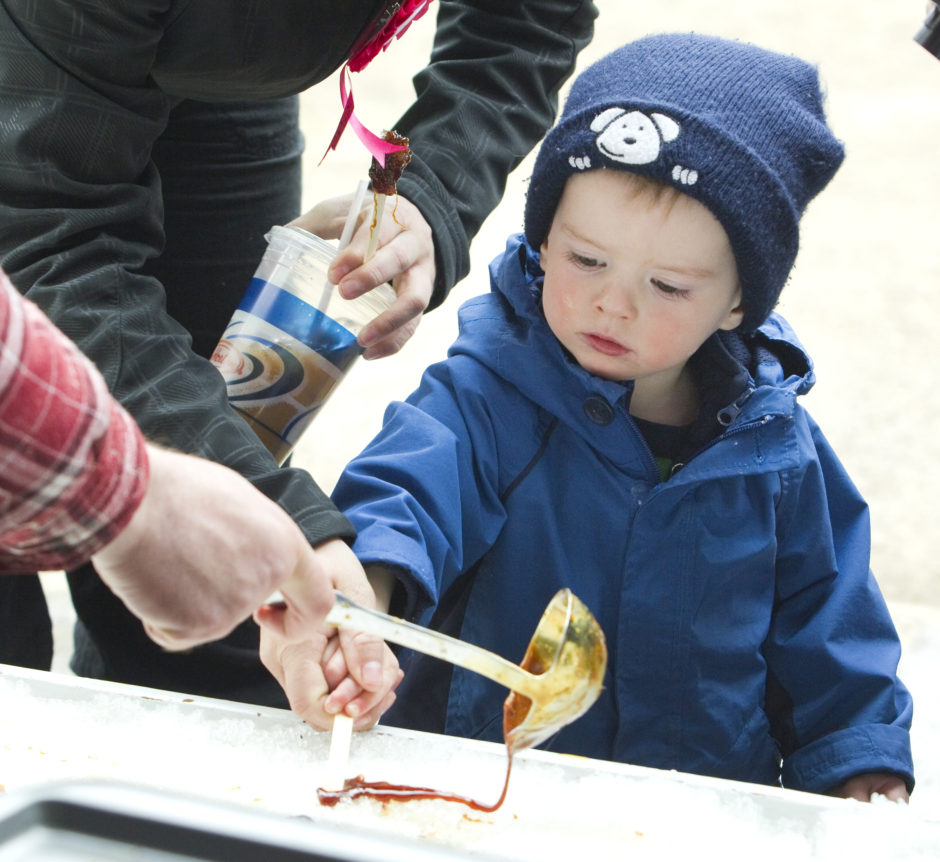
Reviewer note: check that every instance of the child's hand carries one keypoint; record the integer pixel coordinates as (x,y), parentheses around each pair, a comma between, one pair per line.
(861,787)
(323,673)
(363,699)
(318,683)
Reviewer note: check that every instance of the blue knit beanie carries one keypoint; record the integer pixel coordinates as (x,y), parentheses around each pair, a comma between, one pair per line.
(738,128)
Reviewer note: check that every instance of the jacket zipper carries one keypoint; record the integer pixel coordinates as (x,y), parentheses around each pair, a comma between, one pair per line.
(725,418)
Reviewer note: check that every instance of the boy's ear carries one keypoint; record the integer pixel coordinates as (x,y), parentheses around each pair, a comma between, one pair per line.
(734,317)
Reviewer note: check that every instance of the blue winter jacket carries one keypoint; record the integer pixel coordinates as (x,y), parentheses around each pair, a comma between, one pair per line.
(743,623)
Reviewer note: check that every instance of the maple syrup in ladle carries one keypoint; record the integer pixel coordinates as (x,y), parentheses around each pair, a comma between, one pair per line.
(559,678)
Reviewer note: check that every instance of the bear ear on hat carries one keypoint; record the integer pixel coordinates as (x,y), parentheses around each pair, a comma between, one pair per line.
(605,118)
(668,127)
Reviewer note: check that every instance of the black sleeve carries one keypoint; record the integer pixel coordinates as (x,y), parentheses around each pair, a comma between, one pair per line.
(81,212)
(486,98)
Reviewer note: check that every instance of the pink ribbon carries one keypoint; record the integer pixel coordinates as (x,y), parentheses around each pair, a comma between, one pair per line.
(378,147)
(395,28)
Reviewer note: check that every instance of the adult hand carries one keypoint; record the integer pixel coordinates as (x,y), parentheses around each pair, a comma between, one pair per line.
(405,257)
(862,787)
(203,550)
(322,671)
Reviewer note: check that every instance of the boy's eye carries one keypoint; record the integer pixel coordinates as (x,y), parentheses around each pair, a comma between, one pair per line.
(584,261)
(669,289)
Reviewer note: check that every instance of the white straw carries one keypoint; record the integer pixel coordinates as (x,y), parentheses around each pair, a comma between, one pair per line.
(346,235)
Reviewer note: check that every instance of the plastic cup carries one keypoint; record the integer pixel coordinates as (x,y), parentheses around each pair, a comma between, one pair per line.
(292,339)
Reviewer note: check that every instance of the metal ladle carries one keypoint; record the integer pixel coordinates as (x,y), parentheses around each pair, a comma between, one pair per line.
(561,674)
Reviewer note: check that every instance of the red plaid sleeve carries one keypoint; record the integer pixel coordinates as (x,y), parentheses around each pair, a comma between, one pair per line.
(73,467)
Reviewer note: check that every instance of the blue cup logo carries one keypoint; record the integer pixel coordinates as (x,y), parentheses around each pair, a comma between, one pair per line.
(281,358)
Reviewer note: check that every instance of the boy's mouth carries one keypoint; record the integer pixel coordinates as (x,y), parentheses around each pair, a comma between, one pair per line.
(605,345)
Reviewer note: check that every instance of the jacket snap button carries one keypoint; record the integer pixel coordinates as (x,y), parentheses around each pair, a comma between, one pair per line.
(598,410)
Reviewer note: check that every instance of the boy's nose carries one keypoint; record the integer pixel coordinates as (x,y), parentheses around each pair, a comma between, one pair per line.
(617,300)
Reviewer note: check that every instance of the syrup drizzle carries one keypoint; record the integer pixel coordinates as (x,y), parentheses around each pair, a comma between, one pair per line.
(515,709)
(383,791)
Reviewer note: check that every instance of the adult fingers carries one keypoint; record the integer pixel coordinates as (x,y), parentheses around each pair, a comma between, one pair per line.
(327,218)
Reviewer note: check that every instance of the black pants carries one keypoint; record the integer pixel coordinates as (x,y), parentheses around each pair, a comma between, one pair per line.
(25,627)
(229,172)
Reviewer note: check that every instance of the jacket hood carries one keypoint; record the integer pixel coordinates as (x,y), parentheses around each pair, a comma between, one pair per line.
(506,331)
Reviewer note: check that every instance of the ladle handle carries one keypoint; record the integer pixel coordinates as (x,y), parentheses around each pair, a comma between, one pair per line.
(346,614)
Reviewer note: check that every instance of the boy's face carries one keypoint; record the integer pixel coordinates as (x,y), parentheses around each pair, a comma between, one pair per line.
(636,281)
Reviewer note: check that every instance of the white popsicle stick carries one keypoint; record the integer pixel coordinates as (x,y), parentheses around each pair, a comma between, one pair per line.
(340,740)
(376,223)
